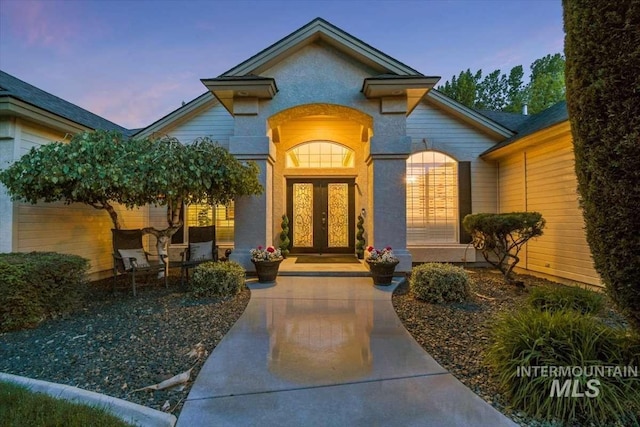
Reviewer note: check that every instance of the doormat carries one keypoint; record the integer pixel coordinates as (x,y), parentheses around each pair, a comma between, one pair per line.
(327,259)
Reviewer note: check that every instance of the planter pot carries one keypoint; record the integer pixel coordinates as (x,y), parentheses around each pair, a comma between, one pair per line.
(267,270)
(382,272)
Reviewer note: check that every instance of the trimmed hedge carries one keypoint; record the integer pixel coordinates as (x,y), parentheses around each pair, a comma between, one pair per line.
(216,278)
(602,47)
(531,338)
(566,298)
(39,285)
(438,283)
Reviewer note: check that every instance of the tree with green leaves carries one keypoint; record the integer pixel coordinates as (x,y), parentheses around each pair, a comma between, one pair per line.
(103,168)
(500,92)
(546,86)
(516,95)
(464,88)
(603,98)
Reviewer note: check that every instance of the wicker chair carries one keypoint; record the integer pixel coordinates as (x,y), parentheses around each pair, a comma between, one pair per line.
(199,250)
(130,258)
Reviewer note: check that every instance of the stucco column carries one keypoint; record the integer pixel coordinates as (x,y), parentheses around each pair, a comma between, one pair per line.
(253,214)
(387,163)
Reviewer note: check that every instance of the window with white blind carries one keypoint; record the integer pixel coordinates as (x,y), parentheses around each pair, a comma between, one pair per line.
(432,199)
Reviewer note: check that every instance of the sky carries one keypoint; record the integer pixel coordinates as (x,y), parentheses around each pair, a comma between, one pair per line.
(134,61)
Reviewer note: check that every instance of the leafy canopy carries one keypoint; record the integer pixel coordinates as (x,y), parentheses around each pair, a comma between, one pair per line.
(499,92)
(102,168)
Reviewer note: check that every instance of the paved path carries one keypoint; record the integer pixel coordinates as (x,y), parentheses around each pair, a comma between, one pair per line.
(327,351)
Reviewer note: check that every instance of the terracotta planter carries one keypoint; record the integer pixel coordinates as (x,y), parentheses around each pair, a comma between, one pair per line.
(267,270)
(382,272)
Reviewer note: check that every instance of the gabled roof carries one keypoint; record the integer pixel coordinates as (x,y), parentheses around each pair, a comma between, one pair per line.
(468,115)
(509,120)
(12,87)
(177,115)
(319,29)
(551,116)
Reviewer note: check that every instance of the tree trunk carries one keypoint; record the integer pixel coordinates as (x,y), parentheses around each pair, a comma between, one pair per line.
(110,210)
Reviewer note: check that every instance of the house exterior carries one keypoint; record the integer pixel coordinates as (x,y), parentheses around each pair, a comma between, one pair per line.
(339,129)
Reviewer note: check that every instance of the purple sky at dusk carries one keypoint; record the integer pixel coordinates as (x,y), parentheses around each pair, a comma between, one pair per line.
(134,61)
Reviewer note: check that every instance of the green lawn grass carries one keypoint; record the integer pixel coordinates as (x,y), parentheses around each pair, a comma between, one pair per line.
(20,407)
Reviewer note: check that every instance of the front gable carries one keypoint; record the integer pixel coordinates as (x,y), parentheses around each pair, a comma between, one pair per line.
(321,30)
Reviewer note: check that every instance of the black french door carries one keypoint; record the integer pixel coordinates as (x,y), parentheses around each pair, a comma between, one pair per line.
(321,215)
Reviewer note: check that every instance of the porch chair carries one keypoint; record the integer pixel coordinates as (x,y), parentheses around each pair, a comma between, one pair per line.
(129,257)
(202,248)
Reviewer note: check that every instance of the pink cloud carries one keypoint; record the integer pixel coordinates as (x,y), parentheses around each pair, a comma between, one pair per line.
(40,23)
(135,106)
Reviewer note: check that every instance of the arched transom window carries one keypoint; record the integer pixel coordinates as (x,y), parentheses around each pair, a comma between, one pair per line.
(432,199)
(320,154)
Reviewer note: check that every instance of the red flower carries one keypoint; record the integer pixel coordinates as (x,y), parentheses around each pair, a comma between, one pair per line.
(388,248)
(259,248)
(271,249)
(370,248)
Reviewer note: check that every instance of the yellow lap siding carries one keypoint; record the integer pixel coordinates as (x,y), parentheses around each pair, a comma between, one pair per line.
(541,177)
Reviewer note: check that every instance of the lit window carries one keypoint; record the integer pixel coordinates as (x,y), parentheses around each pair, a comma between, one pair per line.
(320,154)
(432,199)
(202,215)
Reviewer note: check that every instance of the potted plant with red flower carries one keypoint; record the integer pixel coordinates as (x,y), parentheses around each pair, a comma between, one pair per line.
(382,264)
(267,262)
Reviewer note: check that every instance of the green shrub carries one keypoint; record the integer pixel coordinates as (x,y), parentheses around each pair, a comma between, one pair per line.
(566,298)
(438,283)
(37,285)
(564,338)
(500,237)
(217,279)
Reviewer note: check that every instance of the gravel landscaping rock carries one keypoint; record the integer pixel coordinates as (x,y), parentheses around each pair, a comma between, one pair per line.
(119,343)
(457,334)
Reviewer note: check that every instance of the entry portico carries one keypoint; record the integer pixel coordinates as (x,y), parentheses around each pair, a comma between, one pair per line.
(300,108)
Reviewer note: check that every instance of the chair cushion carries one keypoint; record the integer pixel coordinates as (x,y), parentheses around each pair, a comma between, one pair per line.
(138,254)
(201,251)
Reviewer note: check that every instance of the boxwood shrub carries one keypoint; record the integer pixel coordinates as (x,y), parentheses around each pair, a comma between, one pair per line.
(566,298)
(531,337)
(439,283)
(215,278)
(37,285)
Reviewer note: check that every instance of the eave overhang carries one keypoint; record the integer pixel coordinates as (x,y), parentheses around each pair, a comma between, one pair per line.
(13,107)
(228,88)
(413,88)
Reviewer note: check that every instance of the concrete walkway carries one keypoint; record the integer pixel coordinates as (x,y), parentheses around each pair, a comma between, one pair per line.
(327,351)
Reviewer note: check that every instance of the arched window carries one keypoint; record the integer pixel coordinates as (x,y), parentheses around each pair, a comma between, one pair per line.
(432,199)
(320,154)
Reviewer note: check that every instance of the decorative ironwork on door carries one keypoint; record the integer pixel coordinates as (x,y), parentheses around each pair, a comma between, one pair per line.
(303,215)
(338,215)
